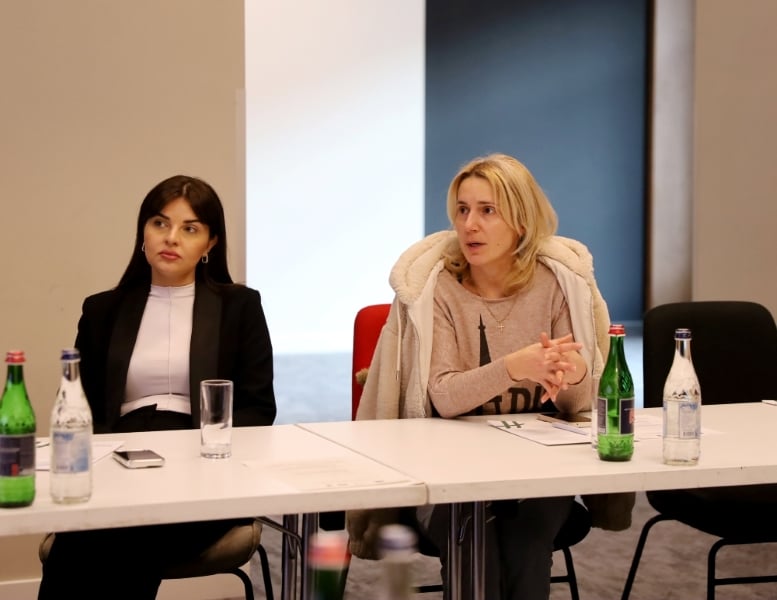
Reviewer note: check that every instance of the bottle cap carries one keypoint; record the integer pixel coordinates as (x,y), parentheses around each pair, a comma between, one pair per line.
(329,550)
(617,329)
(70,354)
(397,538)
(14,357)
(682,334)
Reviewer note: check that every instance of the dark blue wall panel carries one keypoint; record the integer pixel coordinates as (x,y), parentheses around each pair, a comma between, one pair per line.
(560,85)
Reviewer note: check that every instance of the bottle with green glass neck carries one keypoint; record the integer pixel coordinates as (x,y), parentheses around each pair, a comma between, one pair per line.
(615,411)
(17,437)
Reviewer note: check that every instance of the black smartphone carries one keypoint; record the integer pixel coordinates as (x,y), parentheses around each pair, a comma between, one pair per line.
(576,420)
(138,459)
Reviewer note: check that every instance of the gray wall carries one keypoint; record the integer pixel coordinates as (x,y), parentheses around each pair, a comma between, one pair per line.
(561,86)
(735,145)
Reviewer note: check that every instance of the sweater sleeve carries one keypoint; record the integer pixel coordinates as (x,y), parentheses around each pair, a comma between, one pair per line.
(380,397)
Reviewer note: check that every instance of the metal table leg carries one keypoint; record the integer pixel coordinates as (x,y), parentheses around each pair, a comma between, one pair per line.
(289,549)
(452,585)
(478,550)
(309,527)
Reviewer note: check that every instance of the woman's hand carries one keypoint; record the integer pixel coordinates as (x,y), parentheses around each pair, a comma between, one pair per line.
(549,362)
(571,356)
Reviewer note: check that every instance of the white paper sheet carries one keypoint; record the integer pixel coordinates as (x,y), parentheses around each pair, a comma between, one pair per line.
(652,426)
(646,427)
(544,433)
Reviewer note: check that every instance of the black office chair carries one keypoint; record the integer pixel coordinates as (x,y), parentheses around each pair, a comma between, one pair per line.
(734,352)
(574,530)
(227,555)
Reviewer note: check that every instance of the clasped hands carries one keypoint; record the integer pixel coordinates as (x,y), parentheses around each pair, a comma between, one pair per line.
(549,362)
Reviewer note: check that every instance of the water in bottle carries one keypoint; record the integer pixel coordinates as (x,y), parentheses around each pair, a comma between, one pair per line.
(615,414)
(682,406)
(17,437)
(71,436)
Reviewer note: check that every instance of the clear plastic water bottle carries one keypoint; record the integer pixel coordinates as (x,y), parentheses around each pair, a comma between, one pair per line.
(397,544)
(71,436)
(682,406)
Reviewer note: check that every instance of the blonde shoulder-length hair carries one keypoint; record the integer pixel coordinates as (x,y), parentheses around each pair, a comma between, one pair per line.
(520,202)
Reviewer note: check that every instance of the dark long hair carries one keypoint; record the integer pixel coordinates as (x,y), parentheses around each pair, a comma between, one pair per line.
(206,205)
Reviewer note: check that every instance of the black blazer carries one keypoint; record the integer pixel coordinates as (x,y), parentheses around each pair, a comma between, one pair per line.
(229,340)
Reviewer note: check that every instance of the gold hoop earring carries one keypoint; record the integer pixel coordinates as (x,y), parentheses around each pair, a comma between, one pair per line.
(205,259)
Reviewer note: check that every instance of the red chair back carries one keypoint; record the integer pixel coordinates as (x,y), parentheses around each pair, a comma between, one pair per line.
(367,326)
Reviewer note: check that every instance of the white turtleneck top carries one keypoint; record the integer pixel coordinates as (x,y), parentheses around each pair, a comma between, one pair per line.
(159,368)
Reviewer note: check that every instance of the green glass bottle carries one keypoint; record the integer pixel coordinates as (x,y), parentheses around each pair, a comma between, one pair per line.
(328,560)
(17,437)
(615,411)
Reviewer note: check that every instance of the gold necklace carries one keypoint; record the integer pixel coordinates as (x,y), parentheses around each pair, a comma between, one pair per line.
(500,323)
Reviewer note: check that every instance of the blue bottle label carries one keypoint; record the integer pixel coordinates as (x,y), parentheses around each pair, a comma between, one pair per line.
(17,455)
(70,451)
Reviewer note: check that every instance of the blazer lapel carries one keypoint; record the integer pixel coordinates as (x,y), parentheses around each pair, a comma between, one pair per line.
(204,349)
(123,337)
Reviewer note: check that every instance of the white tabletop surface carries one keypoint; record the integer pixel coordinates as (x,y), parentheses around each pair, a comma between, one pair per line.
(275,470)
(465,460)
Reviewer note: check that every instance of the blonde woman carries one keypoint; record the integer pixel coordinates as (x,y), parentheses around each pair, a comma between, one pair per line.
(497,316)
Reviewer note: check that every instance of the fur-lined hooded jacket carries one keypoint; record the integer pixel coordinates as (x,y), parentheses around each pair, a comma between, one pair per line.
(396,387)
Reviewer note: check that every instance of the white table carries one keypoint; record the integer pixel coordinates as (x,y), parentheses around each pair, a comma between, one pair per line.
(281,469)
(456,459)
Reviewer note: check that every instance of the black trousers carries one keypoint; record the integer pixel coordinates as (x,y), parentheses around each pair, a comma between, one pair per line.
(126,563)
(519,546)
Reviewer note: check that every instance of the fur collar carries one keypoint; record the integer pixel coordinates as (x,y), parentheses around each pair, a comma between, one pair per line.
(415,265)
(412,269)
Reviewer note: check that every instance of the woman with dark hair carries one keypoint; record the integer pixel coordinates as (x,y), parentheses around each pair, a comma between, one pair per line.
(174,319)
(206,206)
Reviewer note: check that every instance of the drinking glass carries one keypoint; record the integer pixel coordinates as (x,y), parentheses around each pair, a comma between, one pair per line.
(216,418)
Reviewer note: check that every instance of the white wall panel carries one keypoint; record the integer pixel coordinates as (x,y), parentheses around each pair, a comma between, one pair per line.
(334,159)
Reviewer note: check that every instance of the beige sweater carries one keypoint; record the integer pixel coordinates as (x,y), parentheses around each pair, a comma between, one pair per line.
(468,372)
